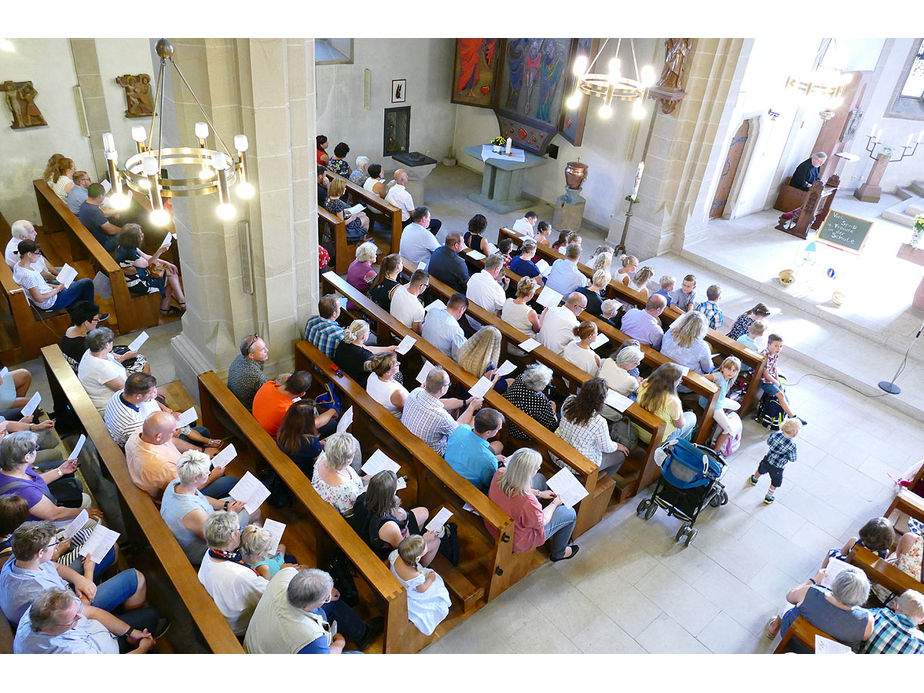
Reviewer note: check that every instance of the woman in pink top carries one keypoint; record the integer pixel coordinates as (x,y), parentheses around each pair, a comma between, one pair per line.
(517,489)
(361,273)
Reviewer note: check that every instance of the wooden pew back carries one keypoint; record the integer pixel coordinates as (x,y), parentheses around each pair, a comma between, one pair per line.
(802,632)
(343,252)
(390,213)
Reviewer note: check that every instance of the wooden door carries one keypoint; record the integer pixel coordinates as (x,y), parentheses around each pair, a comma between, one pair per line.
(735,150)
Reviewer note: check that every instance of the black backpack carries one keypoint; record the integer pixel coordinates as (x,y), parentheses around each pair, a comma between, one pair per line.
(770,412)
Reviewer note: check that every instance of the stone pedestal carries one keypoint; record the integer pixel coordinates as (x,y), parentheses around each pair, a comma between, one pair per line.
(569,211)
(502,182)
(418,167)
(870,190)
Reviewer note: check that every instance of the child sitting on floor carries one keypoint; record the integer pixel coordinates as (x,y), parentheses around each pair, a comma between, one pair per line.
(781,451)
(710,307)
(427,597)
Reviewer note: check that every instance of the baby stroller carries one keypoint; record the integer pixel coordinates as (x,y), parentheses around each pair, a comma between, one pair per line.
(690,478)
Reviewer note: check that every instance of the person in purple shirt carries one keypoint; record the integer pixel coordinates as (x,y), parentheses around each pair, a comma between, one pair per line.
(360,272)
(644,325)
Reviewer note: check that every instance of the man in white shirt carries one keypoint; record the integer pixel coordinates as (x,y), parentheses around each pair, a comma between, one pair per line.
(441,327)
(484,289)
(405,304)
(398,196)
(565,276)
(526,225)
(24,230)
(417,243)
(559,322)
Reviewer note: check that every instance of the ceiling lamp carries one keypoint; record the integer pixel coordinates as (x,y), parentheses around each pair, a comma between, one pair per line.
(612,85)
(209,171)
(825,82)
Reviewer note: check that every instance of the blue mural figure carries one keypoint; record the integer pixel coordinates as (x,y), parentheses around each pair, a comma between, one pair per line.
(552,66)
(516,49)
(533,67)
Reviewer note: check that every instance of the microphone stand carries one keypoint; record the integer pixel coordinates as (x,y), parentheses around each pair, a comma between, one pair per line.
(889,385)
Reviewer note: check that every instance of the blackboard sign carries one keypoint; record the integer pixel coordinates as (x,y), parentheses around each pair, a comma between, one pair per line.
(844,231)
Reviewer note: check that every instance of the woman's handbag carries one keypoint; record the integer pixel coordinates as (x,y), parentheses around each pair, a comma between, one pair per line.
(449,544)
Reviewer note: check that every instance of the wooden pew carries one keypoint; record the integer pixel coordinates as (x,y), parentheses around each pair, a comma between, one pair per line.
(908,502)
(344,252)
(326,530)
(600,487)
(635,473)
(719,343)
(881,572)
(385,212)
(802,632)
(6,635)
(487,566)
(173,583)
(74,242)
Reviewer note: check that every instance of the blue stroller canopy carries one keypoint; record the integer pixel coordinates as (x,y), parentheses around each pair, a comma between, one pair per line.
(689,465)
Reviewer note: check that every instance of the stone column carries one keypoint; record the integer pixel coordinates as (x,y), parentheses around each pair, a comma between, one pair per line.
(674,201)
(257,273)
(86,65)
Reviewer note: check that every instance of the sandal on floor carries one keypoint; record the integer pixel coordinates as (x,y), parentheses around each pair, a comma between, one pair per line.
(773,627)
(172,310)
(574,549)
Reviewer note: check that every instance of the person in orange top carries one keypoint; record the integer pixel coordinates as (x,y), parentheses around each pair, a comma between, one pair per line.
(273,400)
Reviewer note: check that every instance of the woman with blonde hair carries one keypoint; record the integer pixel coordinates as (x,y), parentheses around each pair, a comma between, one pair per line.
(517,489)
(583,427)
(579,352)
(352,353)
(356,224)
(382,385)
(629,264)
(594,293)
(480,355)
(62,178)
(602,258)
(640,281)
(658,395)
(256,543)
(684,343)
(517,311)
(334,478)
(361,272)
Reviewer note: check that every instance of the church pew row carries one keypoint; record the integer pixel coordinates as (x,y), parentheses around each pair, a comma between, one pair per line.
(487,566)
(653,358)
(882,573)
(719,343)
(802,632)
(908,502)
(637,471)
(73,242)
(384,212)
(343,251)
(600,486)
(173,584)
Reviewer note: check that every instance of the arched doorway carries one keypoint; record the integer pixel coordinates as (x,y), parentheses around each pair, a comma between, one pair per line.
(735,150)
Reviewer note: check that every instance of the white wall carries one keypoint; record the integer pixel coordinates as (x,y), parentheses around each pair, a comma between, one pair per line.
(426,64)
(604,147)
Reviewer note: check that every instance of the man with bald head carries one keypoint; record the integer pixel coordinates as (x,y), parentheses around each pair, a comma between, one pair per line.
(644,325)
(151,457)
(558,323)
(398,196)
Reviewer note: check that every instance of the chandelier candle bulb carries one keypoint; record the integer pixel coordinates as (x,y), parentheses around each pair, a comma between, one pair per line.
(614,67)
(606,111)
(149,165)
(240,143)
(580,65)
(138,134)
(219,161)
(202,130)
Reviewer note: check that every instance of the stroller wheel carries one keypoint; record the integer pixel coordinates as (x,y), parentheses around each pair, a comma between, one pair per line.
(724,498)
(650,511)
(716,500)
(690,536)
(681,532)
(642,506)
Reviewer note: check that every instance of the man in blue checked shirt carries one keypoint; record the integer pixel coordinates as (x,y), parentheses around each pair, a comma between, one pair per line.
(896,632)
(322,330)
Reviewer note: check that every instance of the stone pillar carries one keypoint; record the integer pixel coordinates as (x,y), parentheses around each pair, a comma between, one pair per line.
(86,66)
(870,191)
(674,201)
(257,273)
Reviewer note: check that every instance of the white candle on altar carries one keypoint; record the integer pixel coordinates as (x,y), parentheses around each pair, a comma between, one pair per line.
(910,140)
(920,136)
(509,145)
(638,178)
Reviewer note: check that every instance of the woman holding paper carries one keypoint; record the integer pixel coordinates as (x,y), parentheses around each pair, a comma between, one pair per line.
(685,343)
(141,270)
(583,427)
(86,317)
(98,371)
(517,489)
(382,386)
(658,394)
(517,311)
(474,238)
(38,290)
(334,478)
(297,435)
(356,223)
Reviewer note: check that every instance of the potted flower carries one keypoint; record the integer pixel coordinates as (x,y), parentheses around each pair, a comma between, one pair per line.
(917,232)
(498,144)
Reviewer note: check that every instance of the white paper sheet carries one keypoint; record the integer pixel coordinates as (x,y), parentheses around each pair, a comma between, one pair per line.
(438,520)
(826,646)
(78,447)
(528,345)
(67,275)
(506,367)
(355,208)
(492,249)
(684,370)
(378,462)
(548,298)
(223,458)
(107,186)
(436,304)
(475,255)
(168,239)
(544,268)
(99,543)
(275,529)
(186,418)
(619,402)
(76,524)
(175,237)
(480,388)
(599,341)
(834,568)
(4,372)
(422,376)
(138,341)
(251,491)
(566,485)
(32,405)
(469,509)
(401,483)
(406,344)
(345,420)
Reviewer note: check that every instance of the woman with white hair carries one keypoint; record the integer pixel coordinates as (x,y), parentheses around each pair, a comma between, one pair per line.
(99,373)
(684,343)
(359,174)
(352,353)
(838,612)
(185,508)
(616,371)
(232,584)
(24,230)
(517,489)
(334,478)
(361,272)
(527,394)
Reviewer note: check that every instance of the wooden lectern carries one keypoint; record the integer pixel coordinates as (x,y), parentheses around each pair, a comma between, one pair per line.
(815,207)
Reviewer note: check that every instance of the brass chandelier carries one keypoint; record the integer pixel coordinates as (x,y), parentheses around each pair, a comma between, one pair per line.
(612,85)
(215,170)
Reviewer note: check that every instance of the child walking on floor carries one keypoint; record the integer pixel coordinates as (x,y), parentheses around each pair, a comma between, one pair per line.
(781,451)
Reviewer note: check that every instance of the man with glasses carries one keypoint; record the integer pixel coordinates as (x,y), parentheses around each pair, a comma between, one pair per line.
(245,375)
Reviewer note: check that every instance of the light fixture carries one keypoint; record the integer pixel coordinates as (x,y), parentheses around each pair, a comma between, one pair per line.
(612,85)
(214,170)
(7,46)
(823,86)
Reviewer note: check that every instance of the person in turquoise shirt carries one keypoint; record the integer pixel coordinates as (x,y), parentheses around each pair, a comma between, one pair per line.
(469,452)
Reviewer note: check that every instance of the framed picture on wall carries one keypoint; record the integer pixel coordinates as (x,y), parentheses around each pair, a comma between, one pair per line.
(398,90)
(474,76)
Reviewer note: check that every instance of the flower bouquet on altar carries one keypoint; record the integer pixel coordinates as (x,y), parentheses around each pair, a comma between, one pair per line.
(917,231)
(497,144)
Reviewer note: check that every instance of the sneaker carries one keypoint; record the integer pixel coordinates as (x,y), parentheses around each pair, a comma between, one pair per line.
(752,480)
(768,499)
(374,628)
(103,317)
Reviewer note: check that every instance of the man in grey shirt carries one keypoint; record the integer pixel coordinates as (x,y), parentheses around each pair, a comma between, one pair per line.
(441,326)
(245,375)
(78,194)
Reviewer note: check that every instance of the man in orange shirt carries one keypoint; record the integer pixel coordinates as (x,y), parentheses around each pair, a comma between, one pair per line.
(273,400)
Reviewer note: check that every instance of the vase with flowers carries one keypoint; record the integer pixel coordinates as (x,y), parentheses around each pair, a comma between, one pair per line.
(498,144)
(917,232)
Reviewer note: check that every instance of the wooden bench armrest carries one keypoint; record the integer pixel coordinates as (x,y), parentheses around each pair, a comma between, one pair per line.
(803,632)
(881,572)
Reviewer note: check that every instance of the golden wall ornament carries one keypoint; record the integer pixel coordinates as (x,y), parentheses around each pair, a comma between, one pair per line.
(21,98)
(138,100)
